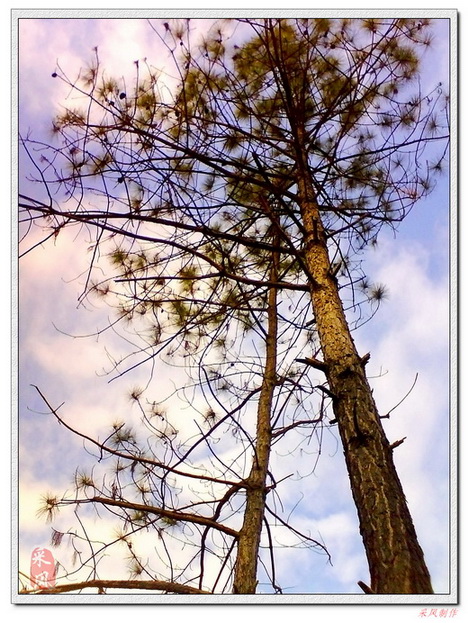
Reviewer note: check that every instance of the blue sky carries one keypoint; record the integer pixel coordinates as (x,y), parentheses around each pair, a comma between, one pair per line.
(409,336)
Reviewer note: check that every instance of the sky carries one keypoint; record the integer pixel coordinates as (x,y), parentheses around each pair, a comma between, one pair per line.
(409,337)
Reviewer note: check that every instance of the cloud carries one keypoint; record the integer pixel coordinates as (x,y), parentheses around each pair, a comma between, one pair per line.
(410,337)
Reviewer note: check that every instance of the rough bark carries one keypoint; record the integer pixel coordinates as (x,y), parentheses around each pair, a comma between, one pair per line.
(396,560)
(245,578)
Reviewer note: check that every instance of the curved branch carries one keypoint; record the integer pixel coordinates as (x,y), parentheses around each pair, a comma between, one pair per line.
(137,585)
(163,512)
(129,457)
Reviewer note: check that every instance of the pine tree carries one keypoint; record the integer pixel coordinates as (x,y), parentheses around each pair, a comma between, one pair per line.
(271,167)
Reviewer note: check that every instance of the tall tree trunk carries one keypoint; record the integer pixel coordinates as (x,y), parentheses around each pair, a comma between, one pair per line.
(396,560)
(245,577)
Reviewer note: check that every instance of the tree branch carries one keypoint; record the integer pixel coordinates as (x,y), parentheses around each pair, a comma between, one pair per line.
(136,585)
